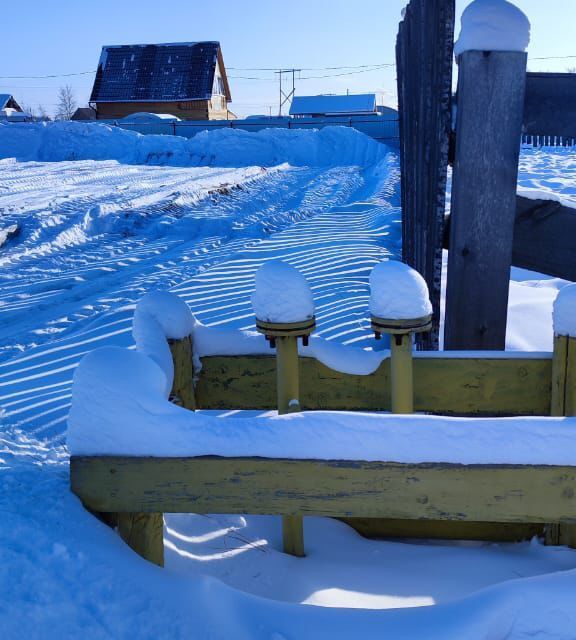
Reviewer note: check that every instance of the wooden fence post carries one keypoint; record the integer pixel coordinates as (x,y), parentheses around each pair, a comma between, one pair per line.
(284,336)
(183,385)
(563,403)
(491,86)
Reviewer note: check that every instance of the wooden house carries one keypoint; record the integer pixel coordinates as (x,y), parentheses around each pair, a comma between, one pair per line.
(185,79)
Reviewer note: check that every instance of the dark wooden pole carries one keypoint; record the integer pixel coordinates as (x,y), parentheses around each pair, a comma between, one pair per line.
(491,86)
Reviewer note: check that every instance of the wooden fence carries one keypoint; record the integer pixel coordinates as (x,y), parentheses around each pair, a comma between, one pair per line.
(424,67)
(499,104)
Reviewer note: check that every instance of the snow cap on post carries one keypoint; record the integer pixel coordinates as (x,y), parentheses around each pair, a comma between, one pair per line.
(398,293)
(565,312)
(493,25)
(282,294)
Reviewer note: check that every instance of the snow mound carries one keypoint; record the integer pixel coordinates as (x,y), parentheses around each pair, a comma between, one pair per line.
(160,316)
(282,294)
(119,408)
(565,312)
(398,292)
(493,25)
(59,141)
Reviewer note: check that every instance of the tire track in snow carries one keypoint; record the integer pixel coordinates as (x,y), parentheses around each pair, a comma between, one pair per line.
(329,223)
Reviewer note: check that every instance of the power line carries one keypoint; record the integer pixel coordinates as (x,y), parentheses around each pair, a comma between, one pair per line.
(54,75)
(553,58)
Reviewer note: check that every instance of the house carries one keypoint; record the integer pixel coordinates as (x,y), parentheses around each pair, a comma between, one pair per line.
(84,113)
(185,79)
(10,110)
(333,105)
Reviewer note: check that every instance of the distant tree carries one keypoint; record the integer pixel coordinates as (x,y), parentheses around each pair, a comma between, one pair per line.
(26,108)
(571,70)
(43,114)
(66,103)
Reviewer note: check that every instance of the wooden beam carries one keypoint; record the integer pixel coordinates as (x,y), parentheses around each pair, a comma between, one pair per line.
(488,129)
(182,388)
(550,105)
(144,533)
(338,488)
(545,237)
(447,385)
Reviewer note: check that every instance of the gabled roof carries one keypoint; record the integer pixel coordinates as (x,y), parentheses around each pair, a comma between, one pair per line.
(335,105)
(7,102)
(158,72)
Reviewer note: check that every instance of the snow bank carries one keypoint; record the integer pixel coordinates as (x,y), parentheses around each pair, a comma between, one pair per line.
(564,313)
(281,294)
(119,406)
(58,141)
(160,316)
(493,25)
(398,292)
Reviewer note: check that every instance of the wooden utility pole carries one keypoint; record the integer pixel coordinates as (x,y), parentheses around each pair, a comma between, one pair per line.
(491,86)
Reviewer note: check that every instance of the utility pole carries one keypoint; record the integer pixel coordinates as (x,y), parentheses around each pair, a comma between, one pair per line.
(286,96)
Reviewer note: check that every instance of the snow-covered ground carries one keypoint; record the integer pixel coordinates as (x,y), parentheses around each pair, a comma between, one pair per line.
(95,234)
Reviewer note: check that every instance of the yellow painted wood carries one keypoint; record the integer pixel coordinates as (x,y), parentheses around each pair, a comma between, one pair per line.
(563,403)
(445,529)
(287,377)
(288,393)
(401,373)
(452,386)
(559,370)
(144,533)
(484,493)
(293,535)
(183,386)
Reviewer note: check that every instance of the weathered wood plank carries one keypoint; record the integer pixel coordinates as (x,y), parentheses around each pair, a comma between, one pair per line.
(545,238)
(488,129)
(483,493)
(144,533)
(445,529)
(182,388)
(458,386)
(424,65)
(550,104)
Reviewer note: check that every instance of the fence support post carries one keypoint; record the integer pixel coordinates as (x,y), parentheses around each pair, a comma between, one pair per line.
(284,336)
(563,404)
(491,87)
(144,533)
(183,385)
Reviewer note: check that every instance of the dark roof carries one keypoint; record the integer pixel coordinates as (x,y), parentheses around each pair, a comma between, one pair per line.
(84,113)
(7,102)
(157,72)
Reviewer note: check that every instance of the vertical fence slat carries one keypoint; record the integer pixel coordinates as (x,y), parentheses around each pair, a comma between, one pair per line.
(424,65)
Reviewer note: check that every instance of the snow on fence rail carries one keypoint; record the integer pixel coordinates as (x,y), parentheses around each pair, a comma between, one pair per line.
(135,455)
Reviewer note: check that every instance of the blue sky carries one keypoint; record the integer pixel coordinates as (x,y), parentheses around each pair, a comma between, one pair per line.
(57,37)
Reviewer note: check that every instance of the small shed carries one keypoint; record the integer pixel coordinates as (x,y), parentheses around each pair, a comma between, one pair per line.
(84,113)
(333,105)
(7,102)
(185,79)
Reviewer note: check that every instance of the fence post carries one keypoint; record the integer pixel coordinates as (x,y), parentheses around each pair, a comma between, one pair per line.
(183,385)
(491,86)
(144,533)
(284,336)
(563,404)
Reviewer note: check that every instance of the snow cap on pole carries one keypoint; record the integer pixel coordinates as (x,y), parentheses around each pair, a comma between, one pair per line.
(493,25)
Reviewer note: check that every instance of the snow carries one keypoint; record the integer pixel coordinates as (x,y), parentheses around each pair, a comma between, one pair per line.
(159,316)
(59,141)
(398,292)
(120,407)
(493,25)
(565,312)
(281,294)
(69,287)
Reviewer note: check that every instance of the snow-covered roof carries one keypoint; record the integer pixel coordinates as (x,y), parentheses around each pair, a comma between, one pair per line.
(157,72)
(7,101)
(321,105)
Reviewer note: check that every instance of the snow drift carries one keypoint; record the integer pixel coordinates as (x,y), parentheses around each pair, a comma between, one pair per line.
(59,141)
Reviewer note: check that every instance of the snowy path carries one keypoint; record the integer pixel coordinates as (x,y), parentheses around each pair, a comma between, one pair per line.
(87,253)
